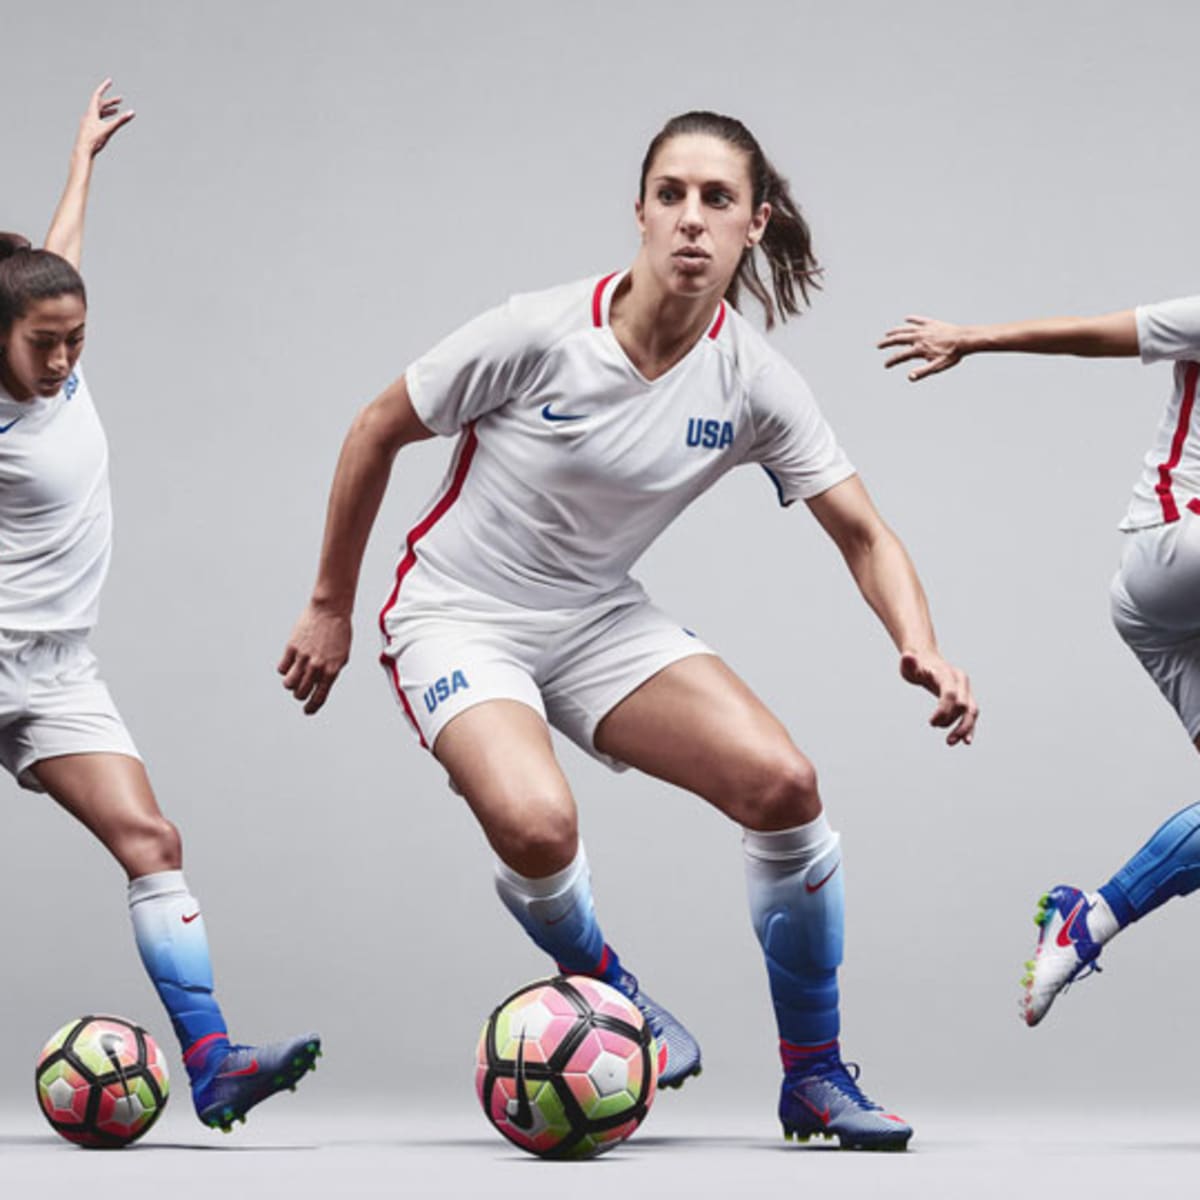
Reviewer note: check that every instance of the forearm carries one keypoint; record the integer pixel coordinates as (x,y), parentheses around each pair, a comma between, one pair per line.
(889,583)
(65,236)
(1113,335)
(359,483)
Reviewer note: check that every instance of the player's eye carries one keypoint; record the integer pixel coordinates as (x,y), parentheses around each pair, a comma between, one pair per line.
(718,198)
(667,195)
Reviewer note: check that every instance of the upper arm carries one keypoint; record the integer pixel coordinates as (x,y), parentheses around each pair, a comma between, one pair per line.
(1168,330)
(390,419)
(792,439)
(847,513)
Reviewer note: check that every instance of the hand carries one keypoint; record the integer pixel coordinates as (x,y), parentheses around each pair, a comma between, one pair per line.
(315,654)
(956,705)
(941,343)
(100,122)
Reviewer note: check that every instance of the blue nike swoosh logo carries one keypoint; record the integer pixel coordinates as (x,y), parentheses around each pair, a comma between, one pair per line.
(552,416)
(6,428)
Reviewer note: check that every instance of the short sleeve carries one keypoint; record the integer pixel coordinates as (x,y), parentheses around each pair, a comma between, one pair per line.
(1169,330)
(474,370)
(793,442)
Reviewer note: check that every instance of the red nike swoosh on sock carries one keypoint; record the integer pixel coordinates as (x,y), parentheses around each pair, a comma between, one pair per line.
(816,887)
(252,1069)
(189,920)
(1064,934)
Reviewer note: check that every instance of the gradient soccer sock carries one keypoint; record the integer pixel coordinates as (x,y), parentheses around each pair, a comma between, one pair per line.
(558,913)
(1167,865)
(794,881)
(173,945)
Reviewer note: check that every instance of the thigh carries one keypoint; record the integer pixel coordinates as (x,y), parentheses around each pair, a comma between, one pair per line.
(696,724)
(109,793)
(500,758)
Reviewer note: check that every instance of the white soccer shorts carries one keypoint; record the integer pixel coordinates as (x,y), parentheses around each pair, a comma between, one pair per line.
(1155,609)
(447,650)
(53,702)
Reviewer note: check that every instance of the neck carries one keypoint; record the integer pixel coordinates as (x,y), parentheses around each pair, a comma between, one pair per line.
(654,327)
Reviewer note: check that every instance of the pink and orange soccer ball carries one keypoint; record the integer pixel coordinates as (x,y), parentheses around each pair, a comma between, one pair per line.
(566,1068)
(101,1081)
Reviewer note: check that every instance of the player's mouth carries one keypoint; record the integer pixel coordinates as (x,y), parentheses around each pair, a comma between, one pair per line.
(51,383)
(691,258)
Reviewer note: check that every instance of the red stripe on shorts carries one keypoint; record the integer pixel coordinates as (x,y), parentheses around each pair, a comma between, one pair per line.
(466,452)
(1166,497)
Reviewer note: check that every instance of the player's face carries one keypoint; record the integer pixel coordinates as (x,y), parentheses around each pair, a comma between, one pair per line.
(698,215)
(42,347)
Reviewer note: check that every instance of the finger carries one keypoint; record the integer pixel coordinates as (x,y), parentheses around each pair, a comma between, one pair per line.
(949,711)
(99,92)
(932,368)
(299,669)
(289,657)
(917,319)
(964,731)
(319,696)
(907,356)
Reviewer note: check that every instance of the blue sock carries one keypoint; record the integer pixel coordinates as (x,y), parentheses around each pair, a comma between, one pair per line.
(174,948)
(1167,865)
(794,880)
(558,914)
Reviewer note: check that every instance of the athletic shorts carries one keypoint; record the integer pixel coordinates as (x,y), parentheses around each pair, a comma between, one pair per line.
(448,647)
(52,702)
(1156,609)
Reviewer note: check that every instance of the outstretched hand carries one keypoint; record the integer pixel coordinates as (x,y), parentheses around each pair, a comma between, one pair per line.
(938,342)
(315,655)
(956,704)
(101,120)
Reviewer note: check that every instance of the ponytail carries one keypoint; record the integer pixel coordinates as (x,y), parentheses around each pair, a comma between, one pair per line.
(786,243)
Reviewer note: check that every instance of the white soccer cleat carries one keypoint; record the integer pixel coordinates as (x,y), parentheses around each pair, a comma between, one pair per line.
(1065,950)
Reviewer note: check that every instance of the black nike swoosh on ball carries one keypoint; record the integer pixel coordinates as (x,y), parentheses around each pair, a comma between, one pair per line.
(523,1117)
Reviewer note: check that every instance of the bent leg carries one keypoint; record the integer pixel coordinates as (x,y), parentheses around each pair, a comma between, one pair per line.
(111,795)
(697,725)
(500,758)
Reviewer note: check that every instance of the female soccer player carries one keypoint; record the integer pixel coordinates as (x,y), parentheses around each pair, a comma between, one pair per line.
(59,729)
(1153,601)
(588,416)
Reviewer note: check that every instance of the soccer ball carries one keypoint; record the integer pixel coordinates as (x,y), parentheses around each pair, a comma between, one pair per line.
(566,1068)
(101,1081)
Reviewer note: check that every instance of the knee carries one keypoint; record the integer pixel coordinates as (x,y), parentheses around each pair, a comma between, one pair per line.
(537,838)
(149,843)
(780,792)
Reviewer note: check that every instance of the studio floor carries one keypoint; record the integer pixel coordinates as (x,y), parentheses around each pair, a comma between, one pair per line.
(342,1152)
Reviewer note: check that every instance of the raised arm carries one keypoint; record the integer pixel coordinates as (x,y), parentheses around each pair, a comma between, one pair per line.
(943,345)
(101,120)
(320,642)
(888,581)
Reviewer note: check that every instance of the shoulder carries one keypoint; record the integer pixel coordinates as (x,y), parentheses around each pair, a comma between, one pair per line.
(770,380)
(548,316)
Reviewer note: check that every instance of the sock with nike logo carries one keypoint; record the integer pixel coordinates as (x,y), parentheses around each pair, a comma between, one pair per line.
(1167,865)
(557,912)
(171,939)
(794,880)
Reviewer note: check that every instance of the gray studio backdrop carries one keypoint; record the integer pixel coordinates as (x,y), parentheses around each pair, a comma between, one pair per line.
(309,197)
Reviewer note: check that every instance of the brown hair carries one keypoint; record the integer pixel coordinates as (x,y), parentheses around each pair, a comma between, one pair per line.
(787,242)
(27,275)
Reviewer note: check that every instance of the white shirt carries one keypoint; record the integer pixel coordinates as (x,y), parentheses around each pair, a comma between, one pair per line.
(1170,479)
(571,462)
(55,510)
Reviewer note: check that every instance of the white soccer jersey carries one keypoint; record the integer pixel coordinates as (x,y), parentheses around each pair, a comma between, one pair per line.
(55,510)
(1170,478)
(570,462)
